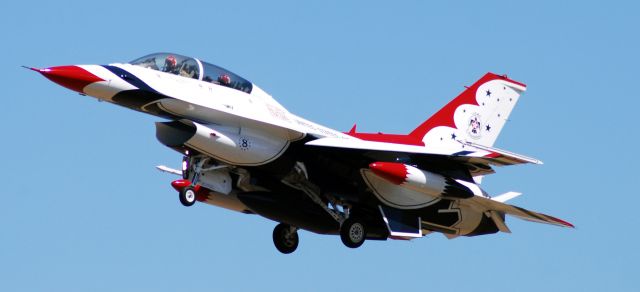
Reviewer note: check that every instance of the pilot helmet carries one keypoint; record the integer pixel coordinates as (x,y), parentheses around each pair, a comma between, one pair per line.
(224,79)
(170,62)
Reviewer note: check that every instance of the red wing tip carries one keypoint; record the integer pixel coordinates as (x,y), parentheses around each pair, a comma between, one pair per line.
(565,223)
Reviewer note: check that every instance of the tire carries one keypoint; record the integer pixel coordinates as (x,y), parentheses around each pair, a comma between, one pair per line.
(187,196)
(285,238)
(353,233)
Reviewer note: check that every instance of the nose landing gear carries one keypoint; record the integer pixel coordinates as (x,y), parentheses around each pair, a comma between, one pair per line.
(193,171)
(186,191)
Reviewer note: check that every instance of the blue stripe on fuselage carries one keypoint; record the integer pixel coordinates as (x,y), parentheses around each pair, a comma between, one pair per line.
(130,78)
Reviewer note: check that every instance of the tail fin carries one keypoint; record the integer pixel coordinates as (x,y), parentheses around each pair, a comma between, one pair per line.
(477,114)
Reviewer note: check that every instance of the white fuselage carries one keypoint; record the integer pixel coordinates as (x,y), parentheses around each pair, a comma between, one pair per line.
(210,103)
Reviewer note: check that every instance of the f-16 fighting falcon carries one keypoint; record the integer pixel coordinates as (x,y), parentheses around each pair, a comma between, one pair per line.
(245,152)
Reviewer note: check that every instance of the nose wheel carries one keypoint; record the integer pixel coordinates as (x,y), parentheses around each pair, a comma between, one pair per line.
(352,233)
(285,238)
(187,196)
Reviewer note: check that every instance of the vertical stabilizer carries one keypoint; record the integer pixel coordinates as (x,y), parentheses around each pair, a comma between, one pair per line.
(476,115)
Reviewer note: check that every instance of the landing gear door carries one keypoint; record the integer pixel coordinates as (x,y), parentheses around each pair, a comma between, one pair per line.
(401,224)
(218,181)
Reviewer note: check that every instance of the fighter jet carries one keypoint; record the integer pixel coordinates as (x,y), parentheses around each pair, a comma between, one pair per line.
(245,152)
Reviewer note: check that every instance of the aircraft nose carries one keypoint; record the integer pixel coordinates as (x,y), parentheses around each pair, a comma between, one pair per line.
(72,77)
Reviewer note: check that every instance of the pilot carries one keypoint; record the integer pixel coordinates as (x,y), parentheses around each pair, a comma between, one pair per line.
(187,71)
(170,64)
(224,79)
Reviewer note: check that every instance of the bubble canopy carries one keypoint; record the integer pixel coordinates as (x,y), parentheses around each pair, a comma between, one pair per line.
(193,68)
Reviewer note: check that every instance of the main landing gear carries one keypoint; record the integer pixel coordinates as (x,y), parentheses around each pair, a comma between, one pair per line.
(285,238)
(352,232)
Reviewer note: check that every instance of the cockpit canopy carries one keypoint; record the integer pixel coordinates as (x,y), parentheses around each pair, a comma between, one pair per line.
(193,68)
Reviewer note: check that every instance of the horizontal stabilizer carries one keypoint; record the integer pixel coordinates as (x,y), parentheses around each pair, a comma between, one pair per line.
(493,205)
(504,157)
(506,196)
(499,221)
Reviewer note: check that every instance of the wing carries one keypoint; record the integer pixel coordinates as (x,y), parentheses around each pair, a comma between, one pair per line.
(476,158)
(522,213)
(495,156)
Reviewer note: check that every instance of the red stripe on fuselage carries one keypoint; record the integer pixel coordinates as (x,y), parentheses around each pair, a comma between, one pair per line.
(493,155)
(387,138)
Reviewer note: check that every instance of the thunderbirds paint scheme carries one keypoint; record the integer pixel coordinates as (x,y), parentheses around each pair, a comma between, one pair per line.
(245,152)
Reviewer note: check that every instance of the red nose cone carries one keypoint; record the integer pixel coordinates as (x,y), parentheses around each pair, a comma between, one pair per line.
(72,77)
(391,171)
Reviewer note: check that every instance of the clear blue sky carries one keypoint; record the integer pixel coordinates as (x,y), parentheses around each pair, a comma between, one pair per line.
(83,209)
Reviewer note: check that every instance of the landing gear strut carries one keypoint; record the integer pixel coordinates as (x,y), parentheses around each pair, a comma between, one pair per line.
(285,238)
(187,188)
(352,230)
